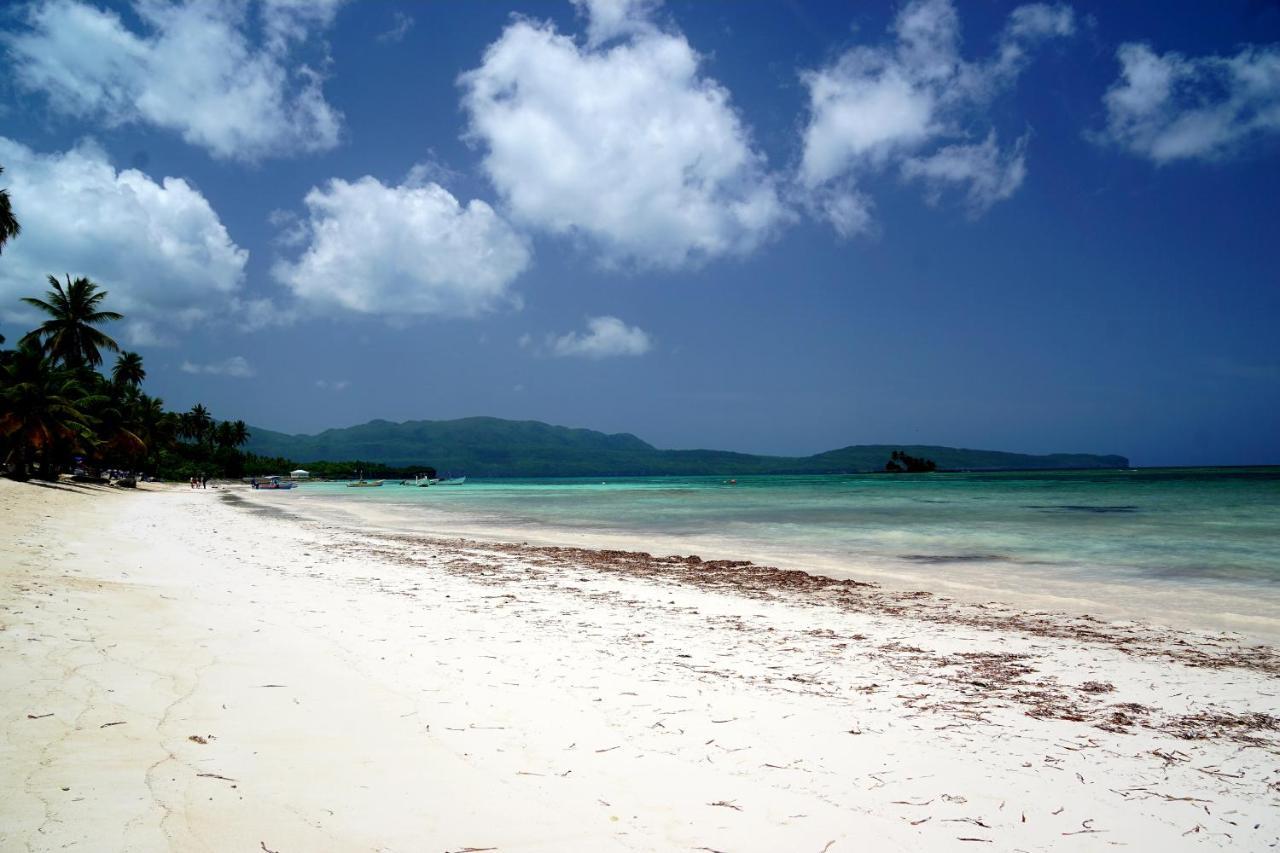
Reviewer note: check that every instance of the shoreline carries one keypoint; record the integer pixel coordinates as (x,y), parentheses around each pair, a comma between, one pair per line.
(199,670)
(1207,606)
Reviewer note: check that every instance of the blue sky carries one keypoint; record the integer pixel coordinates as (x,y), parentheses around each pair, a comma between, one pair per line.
(770,227)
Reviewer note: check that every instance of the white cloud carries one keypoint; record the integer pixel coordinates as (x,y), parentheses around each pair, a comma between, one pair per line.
(159,248)
(332,384)
(257,313)
(610,19)
(992,175)
(402,250)
(400,27)
(892,106)
(237,366)
(627,146)
(605,337)
(1170,107)
(193,70)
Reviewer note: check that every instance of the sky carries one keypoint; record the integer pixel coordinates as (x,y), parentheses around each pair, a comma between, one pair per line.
(774,227)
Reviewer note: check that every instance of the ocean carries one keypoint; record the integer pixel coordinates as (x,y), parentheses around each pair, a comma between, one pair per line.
(1179,538)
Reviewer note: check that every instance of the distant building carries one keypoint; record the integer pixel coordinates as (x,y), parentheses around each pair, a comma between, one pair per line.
(299,475)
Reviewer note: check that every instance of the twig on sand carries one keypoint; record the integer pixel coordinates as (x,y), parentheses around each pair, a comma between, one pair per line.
(728,804)
(39,716)
(266,848)
(216,776)
(472,849)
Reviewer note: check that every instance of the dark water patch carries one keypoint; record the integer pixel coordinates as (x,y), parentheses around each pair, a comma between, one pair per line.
(1100,510)
(254,507)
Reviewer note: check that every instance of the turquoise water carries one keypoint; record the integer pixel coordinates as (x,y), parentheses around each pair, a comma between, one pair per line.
(1181,526)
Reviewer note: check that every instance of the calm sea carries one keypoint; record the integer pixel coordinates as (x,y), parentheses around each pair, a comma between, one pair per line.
(1181,529)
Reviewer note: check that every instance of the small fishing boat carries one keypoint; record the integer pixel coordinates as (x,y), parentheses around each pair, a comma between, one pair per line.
(452,481)
(274,483)
(361,483)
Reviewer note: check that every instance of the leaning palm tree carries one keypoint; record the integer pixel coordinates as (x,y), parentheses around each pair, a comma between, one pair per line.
(69,335)
(40,408)
(9,227)
(128,370)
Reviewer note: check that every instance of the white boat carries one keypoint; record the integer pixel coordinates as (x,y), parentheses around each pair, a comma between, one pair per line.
(454,481)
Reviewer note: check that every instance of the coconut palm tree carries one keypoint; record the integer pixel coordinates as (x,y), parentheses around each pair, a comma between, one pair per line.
(239,433)
(197,424)
(9,227)
(128,370)
(40,407)
(69,336)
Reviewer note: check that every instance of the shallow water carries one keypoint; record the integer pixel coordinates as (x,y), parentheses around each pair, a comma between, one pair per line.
(1178,530)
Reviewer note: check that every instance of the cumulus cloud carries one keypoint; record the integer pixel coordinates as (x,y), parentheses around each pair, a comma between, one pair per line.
(193,69)
(605,337)
(157,247)
(621,143)
(404,250)
(237,367)
(1169,107)
(910,105)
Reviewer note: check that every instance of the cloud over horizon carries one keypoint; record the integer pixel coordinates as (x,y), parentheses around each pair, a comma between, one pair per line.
(621,143)
(159,248)
(1168,107)
(605,337)
(194,70)
(879,109)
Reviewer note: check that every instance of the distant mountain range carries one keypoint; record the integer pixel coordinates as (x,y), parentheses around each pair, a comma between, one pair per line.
(493,447)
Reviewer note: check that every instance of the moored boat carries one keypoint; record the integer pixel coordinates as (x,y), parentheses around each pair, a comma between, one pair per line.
(453,481)
(274,483)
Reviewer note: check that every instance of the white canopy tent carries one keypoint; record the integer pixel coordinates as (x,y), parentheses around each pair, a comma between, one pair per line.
(299,475)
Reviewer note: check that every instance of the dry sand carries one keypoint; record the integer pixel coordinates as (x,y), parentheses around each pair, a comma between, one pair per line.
(202,671)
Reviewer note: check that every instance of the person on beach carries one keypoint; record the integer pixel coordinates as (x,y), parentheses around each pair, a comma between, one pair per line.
(193,482)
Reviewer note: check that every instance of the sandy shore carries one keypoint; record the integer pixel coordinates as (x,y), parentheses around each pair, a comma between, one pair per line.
(202,671)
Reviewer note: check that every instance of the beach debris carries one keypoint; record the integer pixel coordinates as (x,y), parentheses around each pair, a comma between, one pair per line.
(114,723)
(198,739)
(39,716)
(266,848)
(728,804)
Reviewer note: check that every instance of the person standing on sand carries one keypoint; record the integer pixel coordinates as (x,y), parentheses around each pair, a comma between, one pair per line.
(193,482)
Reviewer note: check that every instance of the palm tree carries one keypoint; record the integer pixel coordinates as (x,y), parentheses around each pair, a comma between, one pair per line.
(9,227)
(128,370)
(197,424)
(223,435)
(40,407)
(69,335)
(239,433)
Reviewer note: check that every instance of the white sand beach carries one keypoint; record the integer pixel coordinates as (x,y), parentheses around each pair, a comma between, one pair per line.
(200,670)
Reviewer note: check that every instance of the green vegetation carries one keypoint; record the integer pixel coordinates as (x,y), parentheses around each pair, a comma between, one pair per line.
(58,413)
(501,448)
(905,463)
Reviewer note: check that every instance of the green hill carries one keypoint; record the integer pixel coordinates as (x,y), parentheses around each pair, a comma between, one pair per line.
(492,447)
